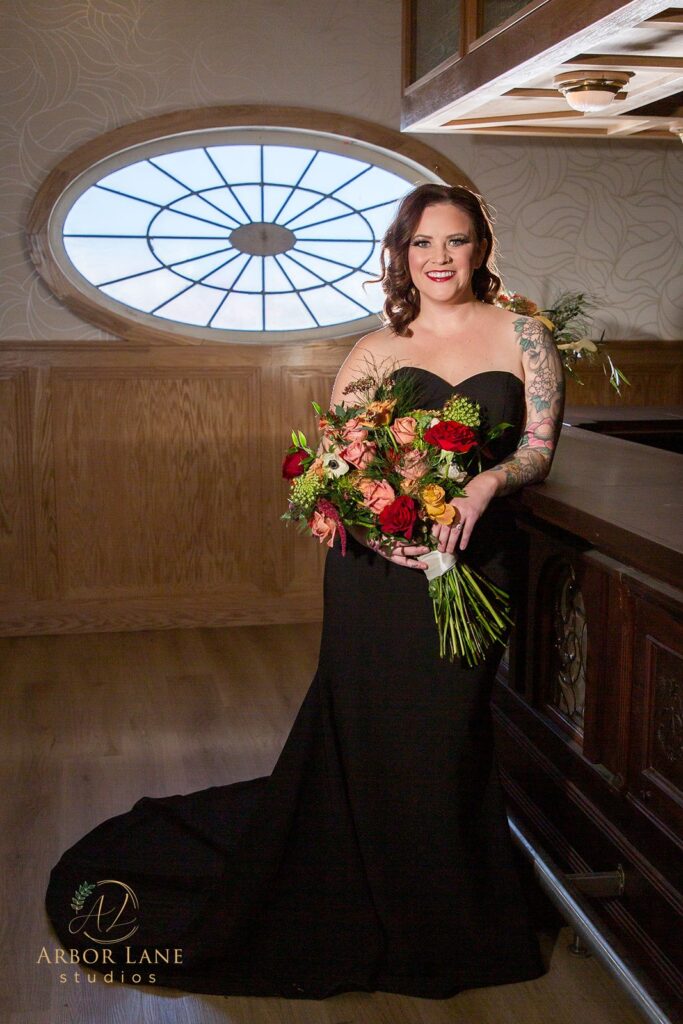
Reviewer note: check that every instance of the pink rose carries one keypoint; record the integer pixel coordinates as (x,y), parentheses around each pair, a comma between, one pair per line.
(360,453)
(404,429)
(353,431)
(541,434)
(323,527)
(377,494)
(413,465)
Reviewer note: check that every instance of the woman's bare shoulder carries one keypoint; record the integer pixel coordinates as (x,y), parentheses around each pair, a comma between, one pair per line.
(498,315)
(372,352)
(506,326)
(375,347)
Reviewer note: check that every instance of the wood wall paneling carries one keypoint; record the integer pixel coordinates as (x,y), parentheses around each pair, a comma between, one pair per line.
(17,528)
(653,368)
(141,484)
(142,488)
(157,470)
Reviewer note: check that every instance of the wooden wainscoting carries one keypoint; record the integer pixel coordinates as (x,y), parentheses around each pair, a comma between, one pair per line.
(653,368)
(140,485)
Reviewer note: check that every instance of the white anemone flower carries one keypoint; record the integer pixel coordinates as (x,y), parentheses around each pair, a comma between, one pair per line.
(334,464)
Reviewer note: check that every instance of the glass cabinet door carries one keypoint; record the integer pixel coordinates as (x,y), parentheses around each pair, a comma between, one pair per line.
(435,32)
(494,12)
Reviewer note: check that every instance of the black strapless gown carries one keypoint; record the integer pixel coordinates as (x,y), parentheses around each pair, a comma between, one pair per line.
(377,855)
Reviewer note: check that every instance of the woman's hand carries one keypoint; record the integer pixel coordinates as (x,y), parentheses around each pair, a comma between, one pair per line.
(479,492)
(402,552)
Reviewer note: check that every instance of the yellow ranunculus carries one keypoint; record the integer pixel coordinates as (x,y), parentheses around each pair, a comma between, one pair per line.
(447,516)
(435,505)
(434,511)
(432,494)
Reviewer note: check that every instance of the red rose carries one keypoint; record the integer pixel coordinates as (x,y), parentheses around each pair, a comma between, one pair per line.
(291,464)
(399,516)
(452,436)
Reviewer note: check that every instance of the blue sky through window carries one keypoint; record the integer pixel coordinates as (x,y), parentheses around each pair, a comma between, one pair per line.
(245,237)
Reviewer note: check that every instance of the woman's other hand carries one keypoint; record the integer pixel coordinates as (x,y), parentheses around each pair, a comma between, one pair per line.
(479,492)
(402,552)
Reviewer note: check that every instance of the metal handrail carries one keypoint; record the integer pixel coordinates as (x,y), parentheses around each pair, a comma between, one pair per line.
(579,914)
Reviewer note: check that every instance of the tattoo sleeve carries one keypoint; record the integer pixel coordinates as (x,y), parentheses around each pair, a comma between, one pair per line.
(544,391)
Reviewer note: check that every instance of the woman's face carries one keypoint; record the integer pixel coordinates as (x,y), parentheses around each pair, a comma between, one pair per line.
(443,253)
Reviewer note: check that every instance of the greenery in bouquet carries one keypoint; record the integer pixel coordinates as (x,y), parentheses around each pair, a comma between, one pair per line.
(568,319)
(391,467)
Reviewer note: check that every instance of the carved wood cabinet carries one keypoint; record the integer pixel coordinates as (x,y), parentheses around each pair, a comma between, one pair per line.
(589,725)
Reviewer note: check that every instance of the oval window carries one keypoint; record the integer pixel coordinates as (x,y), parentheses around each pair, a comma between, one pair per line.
(235,234)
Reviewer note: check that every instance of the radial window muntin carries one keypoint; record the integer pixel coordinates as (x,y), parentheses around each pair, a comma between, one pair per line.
(316,273)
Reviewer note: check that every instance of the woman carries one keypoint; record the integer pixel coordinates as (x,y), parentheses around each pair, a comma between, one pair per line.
(441,283)
(377,854)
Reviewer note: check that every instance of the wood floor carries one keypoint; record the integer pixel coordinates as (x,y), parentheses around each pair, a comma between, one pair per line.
(90,723)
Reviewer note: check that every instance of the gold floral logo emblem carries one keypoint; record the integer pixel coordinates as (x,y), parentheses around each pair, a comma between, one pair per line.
(106,911)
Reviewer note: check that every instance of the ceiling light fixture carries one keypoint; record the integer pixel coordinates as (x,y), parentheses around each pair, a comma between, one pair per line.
(589,92)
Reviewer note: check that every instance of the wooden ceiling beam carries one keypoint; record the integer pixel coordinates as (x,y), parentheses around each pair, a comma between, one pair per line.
(537,130)
(511,118)
(671,18)
(567,133)
(624,62)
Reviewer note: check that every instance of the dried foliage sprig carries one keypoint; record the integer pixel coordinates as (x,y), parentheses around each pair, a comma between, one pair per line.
(568,319)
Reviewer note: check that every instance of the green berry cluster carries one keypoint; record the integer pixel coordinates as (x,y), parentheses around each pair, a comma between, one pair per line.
(462,410)
(304,492)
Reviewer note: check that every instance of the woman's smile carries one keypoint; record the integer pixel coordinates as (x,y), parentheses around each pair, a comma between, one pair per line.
(440,275)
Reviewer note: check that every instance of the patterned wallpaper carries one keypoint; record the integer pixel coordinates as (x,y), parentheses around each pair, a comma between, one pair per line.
(604,216)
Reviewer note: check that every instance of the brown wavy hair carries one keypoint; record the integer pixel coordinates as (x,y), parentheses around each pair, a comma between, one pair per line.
(402,302)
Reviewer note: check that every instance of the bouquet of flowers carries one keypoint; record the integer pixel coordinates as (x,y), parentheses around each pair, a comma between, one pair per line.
(568,321)
(392,468)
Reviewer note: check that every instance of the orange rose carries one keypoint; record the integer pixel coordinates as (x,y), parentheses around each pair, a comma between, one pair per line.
(323,528)
(377,494)
(377,414)
(404,429)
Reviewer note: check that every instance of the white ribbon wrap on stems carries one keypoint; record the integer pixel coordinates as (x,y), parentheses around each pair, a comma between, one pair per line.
(438,563)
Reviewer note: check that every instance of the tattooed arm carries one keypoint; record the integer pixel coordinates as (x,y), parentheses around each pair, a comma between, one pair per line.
(530,462)
(544,389)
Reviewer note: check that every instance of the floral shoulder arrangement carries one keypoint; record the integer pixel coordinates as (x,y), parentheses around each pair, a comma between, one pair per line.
(391,467)
(568,320)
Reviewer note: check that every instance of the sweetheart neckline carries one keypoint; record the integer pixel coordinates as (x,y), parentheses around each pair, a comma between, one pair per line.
(481,373)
